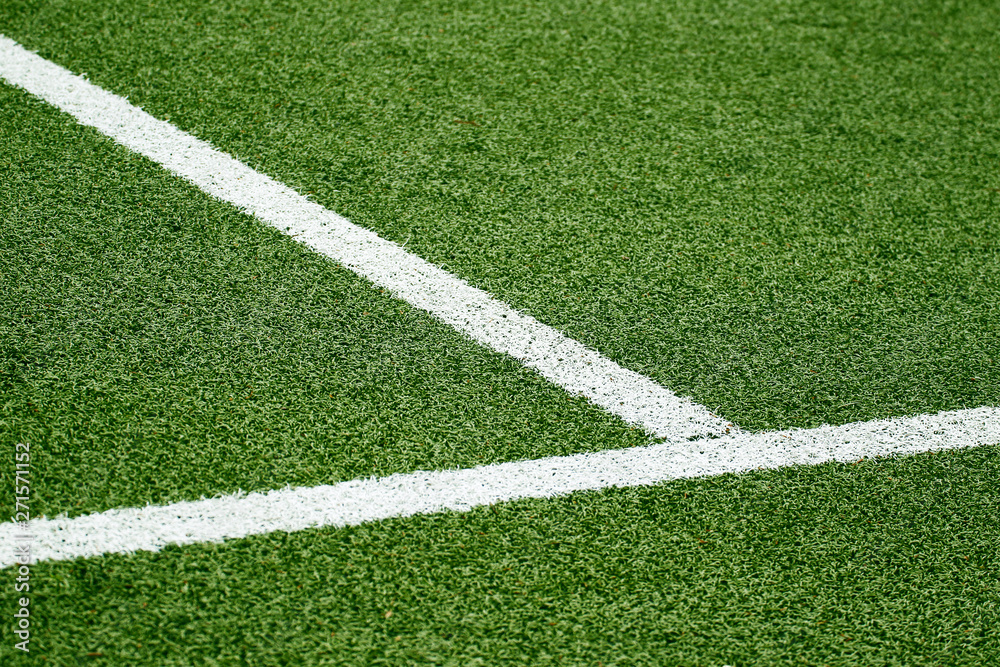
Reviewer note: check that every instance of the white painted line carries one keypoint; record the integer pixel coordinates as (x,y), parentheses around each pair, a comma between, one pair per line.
(565,362)
(360,501)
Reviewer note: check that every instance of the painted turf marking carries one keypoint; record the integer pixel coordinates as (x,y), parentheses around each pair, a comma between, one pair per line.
(565,362)
(351,503)
(561,360)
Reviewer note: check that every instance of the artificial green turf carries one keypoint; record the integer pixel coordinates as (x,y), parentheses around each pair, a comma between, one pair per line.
(156,345)
(888,562)
(727,197)
(787,210)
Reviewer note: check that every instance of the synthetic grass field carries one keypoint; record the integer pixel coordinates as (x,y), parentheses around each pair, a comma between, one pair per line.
(787,211)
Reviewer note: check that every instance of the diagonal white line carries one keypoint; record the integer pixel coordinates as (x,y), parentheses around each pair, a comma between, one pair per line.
(561,360)
(360,501)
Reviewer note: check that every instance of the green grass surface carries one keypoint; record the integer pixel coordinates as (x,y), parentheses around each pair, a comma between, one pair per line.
(788,211)
(879,563)
(156,345)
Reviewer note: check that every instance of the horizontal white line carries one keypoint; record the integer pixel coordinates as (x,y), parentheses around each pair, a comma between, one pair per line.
(561,360)
(360,501)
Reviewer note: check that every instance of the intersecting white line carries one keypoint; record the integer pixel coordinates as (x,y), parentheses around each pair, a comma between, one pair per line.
(563,361)
(360,501)
(697,443)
